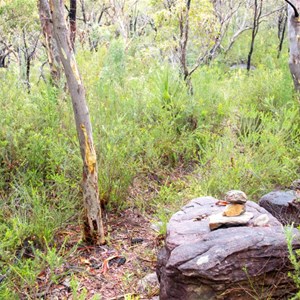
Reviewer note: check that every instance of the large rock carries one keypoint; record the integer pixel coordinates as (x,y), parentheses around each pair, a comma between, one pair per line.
(283,205)
(244,262)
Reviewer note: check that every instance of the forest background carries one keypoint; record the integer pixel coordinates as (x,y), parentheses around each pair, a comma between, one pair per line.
(175,115)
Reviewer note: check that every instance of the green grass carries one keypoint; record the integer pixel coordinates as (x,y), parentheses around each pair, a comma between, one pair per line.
(294,260)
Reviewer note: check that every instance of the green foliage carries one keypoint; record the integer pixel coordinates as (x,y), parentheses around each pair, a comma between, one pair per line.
(114,67)
(74,287)
(203,26)
(15,13)
(237,131)
(294,259)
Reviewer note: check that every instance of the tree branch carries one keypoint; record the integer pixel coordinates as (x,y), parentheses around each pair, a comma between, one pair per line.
(294,8)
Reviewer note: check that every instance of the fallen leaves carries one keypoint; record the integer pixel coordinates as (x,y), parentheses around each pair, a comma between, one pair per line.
(112,270)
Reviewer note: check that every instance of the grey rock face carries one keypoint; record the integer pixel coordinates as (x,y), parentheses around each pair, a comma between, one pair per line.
(228,263)
(283,205)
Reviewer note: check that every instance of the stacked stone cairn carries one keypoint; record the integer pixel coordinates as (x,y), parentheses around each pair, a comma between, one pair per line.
(229,249)
(235,212)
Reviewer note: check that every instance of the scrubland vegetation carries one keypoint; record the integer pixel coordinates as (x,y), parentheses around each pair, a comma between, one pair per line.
(237,130)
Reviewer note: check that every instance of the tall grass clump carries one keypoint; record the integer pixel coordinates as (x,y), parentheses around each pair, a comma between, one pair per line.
(39,180)
(141,121)
(256,148)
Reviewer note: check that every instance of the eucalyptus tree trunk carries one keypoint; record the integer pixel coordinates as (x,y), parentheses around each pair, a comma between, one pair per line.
(50,45)
(294,41)
(72,17)
(93,227)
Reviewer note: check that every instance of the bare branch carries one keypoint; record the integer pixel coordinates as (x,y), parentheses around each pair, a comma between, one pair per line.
(294,8)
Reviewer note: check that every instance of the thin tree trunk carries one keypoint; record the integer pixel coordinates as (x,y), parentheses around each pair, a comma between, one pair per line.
(86,24)
(184,37)
(83,11)
(93,228)
(294,42)
(27,62)
(28,56)
(72,16)
(50,45)
(282,22)
(256,18)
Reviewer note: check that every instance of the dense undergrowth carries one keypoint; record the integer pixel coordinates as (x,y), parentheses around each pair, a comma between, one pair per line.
(237,131)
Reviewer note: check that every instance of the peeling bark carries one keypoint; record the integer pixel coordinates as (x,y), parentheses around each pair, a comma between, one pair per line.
(92,221)
(294,41)
(50,45)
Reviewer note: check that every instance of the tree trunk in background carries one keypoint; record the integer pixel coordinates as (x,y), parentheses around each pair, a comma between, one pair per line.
(294,41)
(50,45)
(84,18)
(256,19)
(282,23)
(93,227)
(72,16)
(184,37)
(28,54)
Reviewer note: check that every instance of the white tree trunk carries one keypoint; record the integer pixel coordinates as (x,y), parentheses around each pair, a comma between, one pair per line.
(294,42)
(93,227)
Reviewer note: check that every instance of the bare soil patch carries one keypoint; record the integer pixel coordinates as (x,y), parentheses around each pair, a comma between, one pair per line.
(111,271)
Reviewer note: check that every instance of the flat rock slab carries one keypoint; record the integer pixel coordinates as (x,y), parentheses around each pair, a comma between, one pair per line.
(218,220)
(283,205)
(227,263)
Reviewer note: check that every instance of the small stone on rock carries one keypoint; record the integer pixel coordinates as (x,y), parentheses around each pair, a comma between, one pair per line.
(218,220)
(235,196)
(234,210)
(261,220)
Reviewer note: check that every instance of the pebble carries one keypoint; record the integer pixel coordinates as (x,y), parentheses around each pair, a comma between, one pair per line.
(236,197)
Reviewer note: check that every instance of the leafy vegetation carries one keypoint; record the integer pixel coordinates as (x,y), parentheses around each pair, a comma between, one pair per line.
(237,130)
(294,259)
